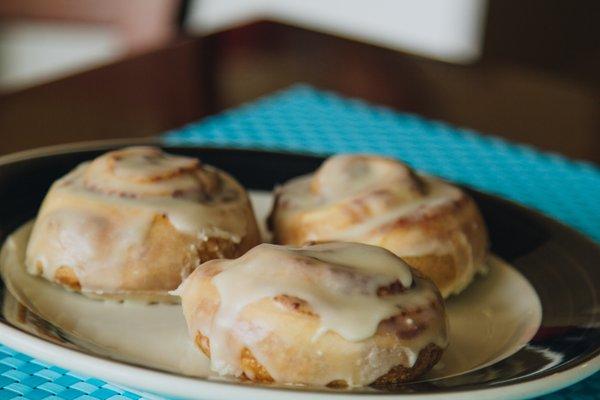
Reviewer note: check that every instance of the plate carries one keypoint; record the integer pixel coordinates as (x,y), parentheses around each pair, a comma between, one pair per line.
(487,323)
(529,327)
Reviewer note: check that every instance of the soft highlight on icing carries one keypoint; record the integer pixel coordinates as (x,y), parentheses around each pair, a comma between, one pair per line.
(98,216)
(382,202)
(340,282)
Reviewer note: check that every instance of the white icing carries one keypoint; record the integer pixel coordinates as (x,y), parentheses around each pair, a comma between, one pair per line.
(301,200)
(145,171)
(379,201)
(340,283)
(348,175)
(487,322)
(341,287)
(99,213)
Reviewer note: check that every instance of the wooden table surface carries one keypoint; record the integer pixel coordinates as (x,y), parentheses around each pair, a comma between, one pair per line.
(192,77)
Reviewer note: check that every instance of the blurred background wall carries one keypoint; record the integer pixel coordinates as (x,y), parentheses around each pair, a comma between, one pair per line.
(523,69)
(42,40)
(445,30)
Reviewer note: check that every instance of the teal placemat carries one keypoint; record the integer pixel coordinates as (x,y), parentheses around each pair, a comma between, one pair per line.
(304,119)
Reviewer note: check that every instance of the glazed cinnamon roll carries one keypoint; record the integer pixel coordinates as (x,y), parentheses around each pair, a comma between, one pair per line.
(134,222)
(334,314)
(432,225)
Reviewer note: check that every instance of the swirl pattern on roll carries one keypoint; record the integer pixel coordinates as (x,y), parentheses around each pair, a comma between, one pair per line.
(336,314)
(436,227)
(137,221)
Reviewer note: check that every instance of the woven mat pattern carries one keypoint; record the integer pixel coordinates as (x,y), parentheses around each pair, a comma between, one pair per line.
(304,119)
(22,377)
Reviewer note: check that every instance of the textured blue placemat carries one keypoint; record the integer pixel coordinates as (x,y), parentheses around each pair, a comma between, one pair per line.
(303,119)
(22,377)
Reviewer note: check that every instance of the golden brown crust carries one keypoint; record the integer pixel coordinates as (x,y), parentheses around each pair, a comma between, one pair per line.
(253,370)
(132,223)
(203,343)
(256,372)
(441,269)
(282,337)
(168,256)
(66,277)
(427,358)
(446,240)
(461,226)
(394,328)
(337,384)
(295,304)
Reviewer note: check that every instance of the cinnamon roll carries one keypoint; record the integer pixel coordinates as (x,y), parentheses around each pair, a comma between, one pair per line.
(334,314)
(434,226)
(134,222)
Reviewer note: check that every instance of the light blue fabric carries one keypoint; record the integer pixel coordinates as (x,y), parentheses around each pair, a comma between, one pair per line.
(304,119)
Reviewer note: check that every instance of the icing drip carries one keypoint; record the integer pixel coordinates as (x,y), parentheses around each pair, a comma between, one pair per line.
(338,291)
(296,199)
(382,202)
(345,176)
(343,284)
(98,216)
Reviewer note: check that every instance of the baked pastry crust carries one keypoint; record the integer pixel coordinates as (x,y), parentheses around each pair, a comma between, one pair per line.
(434,226)
(134,222)
(278,333)
(427,358)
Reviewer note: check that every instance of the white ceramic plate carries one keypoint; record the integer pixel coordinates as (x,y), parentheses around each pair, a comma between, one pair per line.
(517,332)
(487,323)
